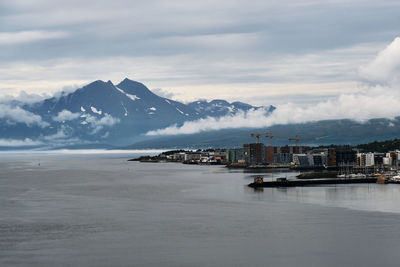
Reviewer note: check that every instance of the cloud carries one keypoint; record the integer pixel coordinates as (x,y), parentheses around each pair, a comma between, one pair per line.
(385,68)
(24,97)
(379,101)
(197,48)
(190,77)
(11,38)
(66,115)
(17,142)
(163,93)
(107,134)
(358,107)
(98,124)
(15,114)
(58,136)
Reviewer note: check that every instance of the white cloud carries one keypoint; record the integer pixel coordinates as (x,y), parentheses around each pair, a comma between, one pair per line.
(107,134)
(19,115)
(24,97)
(248,76)
(7,38)
(241,119)
(163,93)
(359,107)
(385,68)
(17,142)
(370,102)
(98,124)
(66,115)
(59,135)
(199,49)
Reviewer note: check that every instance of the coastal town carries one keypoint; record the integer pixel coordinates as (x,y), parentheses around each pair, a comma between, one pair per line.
(258,155)
(314,162)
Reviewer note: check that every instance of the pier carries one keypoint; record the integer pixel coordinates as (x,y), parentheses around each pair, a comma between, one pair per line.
(282,182)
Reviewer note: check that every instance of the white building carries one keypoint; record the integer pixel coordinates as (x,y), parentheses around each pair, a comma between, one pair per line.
(365,159)
(387,161)
(369,159)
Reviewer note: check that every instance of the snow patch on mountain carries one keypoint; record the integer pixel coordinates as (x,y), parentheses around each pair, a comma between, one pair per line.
(95,110)
(132,97)
(126,111)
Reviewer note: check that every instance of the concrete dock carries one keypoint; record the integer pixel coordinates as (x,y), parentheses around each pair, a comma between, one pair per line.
(315,182)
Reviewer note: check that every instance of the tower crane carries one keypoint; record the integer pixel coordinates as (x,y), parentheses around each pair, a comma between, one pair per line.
(258,135)
(272,135)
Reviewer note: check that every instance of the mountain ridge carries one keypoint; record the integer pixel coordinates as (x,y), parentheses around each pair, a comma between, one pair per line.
(101,112)
(336,132)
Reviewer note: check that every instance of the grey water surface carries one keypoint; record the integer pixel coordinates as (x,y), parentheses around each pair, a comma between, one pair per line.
(60,209)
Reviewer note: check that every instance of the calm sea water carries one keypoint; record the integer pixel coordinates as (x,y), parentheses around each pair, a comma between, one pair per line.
(70,209)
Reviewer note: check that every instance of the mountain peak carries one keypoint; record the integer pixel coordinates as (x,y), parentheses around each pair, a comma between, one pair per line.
(103,112)
(97,86)
(129,81)
(97,82)
(135,88)
(126,79)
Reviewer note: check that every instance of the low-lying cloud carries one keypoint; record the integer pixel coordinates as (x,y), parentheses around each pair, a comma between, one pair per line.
(18,143)
(24,97)
(163,93)
(98,124)
(66,115)
(15,114)
(381,100)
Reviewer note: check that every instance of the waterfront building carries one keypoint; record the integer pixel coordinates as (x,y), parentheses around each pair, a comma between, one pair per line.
(254,153)
(394,157)
(378,159)
(319,160)
(269,154)
(285,158)
(192,156)
(387,161)
(283,154)
(302,160)
(365,159)
(310,160)
(345,156)
(234,155)
(332,157)
(179,156)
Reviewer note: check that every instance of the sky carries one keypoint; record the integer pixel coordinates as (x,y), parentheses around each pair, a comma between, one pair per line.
(287,52)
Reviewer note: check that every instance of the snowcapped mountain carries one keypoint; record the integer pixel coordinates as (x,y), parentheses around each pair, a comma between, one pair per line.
(102,112)
(219,107)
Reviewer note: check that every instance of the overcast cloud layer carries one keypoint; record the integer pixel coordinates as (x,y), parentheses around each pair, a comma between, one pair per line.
(313,60)
(380,98)
(262,52)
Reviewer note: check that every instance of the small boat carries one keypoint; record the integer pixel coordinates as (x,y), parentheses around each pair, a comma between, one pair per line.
(395,178)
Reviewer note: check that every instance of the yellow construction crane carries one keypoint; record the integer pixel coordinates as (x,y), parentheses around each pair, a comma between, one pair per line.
(272,135)
(297,139)
(258,135)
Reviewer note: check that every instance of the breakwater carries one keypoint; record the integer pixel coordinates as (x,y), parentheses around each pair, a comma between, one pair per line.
(314,182)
